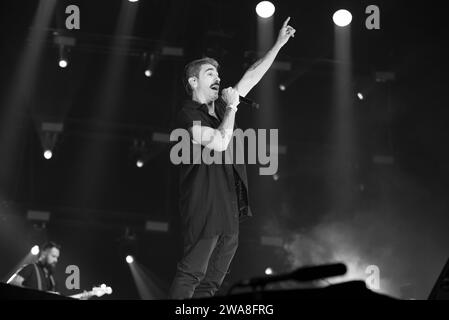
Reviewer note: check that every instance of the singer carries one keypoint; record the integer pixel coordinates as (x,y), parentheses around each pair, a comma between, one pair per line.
(213,198)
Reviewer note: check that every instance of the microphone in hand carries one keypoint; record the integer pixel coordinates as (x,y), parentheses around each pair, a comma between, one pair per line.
(249,102)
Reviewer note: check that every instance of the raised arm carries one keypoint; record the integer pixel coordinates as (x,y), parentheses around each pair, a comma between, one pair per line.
(253,75)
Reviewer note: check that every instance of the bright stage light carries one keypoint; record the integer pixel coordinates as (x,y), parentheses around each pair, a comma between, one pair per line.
(35,250)
(268,271)
(265,9)
(133,0)
(360,96)
(282,87)
(48,154)
(148,73)
(139,163)
(342,18)
(129,259)
(63,63)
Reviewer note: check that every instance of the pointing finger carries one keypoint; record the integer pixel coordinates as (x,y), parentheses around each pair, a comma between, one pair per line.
(286,22)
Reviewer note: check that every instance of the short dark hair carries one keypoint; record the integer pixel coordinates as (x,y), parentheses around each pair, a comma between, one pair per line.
(192,69)
(49,245)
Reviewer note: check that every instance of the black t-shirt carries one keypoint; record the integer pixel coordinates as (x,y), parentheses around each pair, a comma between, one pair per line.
(28,272)
(213,197)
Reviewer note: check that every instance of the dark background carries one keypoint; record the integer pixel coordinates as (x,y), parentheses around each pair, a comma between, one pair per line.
(94,191)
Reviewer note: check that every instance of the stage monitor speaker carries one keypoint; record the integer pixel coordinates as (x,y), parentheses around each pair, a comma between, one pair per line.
(440,290)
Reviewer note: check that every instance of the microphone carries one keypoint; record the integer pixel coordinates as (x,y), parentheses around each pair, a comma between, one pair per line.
(248,102)
(301,274)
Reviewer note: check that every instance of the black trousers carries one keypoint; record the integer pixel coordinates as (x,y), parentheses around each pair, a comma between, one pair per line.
(203,267)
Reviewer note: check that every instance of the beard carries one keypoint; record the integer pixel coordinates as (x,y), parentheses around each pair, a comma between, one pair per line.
(50,267)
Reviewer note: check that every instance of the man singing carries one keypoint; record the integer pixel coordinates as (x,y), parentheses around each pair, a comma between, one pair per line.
(213,197)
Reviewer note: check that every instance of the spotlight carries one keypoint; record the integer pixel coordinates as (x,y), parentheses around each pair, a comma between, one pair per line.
(342,18)
(63,54)
(265,9)
(360,96)
(268,271)
(63,63)
(35,250)
(64,45)
(276,177)
(150,60)
(282,87)
(129,259)
(48,154)
(133,0)
(140,153)
(139,163)
(49,135)
(148,73)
